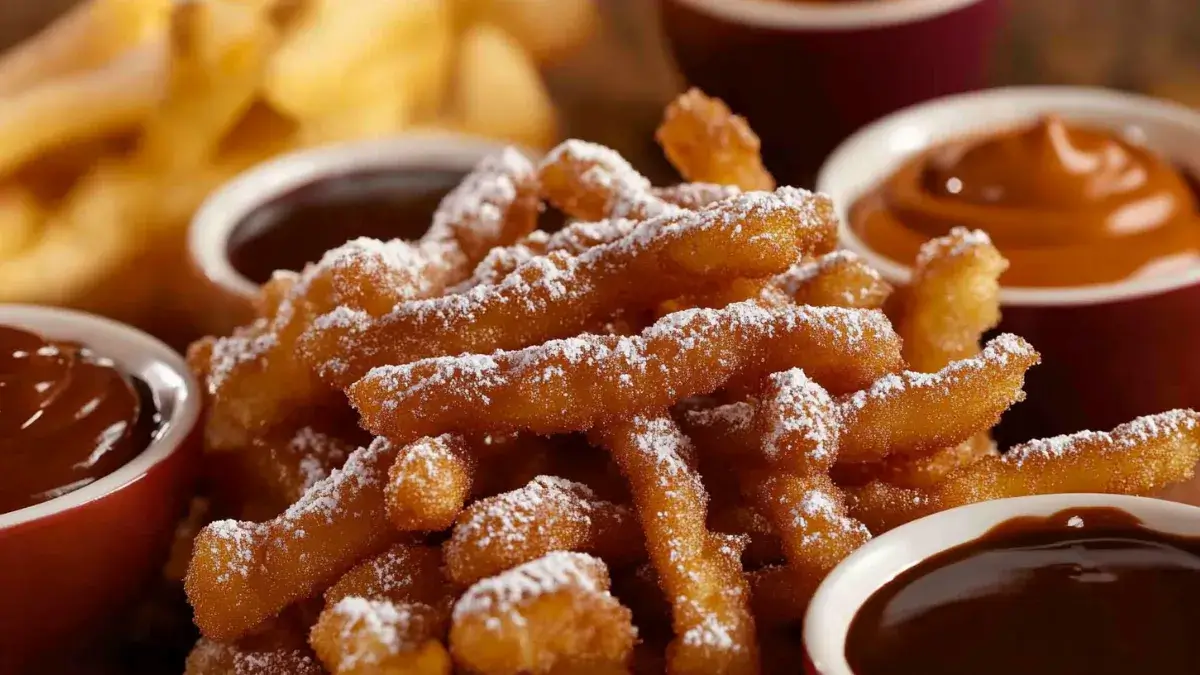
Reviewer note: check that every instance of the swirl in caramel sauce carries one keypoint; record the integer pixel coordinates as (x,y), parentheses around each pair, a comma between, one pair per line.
(1067,205)
(67,418)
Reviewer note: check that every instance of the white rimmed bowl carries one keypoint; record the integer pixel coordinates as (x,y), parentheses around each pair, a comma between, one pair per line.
(70,563)
(1110,352)
(806,75)
(222,298)
(868,569)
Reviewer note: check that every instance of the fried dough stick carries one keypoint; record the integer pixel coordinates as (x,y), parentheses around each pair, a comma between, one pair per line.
(550,615)
(752,235)
(706,142)
(573,384)
(548,514)
(714,629)
(914,414)
(388,614)
(789,440)
(587,181)
(243,573)
(1138,458)
(837,279)
(255,378)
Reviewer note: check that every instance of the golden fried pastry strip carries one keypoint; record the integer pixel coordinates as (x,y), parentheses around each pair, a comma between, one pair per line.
(243,573)
(495,205)
(548,514)
(357,636)
(573,384)
(551,615)
(217,658)
(707,142)
(838,279)
(1138,457)
(810,514)
(403,573)
(925,472)
(917,413)
(547,297)
(573,239)
(714,629)
(429,483)
(284,466)
(591,182)
(953,299)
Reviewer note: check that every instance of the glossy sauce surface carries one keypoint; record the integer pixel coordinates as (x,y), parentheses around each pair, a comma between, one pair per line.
(1085,591)
(298,227)
(67,418)
(1067,205)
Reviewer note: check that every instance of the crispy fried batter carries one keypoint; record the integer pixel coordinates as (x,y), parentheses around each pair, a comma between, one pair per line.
(551,615)
(591,182)
(356,636)
(952,301)
(752,235)
(573,384)
(917,413)
(548,514)
(402,573)
(714,630)
(706,142)
(837,279)
(428,483)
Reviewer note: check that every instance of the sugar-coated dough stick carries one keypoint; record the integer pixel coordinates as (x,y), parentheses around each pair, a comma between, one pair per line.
(714,629)
(550,615)
(357,636)
(839,279)
(573,384)
(752,235)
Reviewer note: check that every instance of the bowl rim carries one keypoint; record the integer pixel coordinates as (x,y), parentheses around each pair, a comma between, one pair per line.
(164,370)
(852,15)
(1017,104)
(224,209)
(824,630)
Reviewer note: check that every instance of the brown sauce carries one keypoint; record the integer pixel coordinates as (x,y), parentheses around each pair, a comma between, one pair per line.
(1084,591)
(1068,205)
(68,417)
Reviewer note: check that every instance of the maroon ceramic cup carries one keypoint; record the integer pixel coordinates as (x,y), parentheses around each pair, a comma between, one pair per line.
(1110,352)
(806,75)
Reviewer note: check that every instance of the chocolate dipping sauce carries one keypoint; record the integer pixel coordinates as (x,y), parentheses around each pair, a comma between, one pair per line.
(1084,591)
(299,226)
(68,417)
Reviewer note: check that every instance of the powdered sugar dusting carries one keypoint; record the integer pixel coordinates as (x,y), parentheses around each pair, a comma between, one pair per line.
(602,170)
(799,412)
(482,200)
(1132,434)
(503,597)
(736,416)
(323,500)
(959,241)
(374,630)
(997,351)
(215,657)
(800,275)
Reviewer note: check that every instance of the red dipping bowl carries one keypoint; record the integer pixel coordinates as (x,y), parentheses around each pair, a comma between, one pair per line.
(807,74)
(70,564)
(1110,352)
(851,583)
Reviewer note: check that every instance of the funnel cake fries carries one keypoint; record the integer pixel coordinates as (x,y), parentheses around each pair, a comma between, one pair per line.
(551,615)
(708,143)
(518,383)
(573,384)
(710,598)
(838,279)
(256,380)
(548,514)
(1138,458)
(752,235)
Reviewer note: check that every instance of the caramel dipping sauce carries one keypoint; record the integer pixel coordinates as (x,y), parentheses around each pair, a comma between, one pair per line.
(68,417)
(1085,591)
(1067,205)
(298,227)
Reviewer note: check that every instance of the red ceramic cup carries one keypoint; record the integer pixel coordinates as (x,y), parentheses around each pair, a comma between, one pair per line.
(851,583)
(222,296)
(1110,352)
(806,75)
(70,564)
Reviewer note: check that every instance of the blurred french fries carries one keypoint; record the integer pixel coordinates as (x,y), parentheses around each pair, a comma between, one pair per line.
(118,119)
